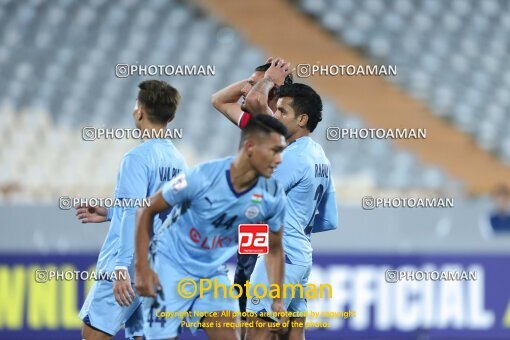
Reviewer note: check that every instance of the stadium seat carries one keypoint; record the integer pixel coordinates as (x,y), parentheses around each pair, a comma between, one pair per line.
(452,57)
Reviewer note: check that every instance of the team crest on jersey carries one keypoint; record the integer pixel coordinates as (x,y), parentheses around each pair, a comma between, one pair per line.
(179,183)
(252,211)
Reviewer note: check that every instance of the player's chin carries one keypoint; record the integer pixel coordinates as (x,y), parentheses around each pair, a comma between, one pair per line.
(268,173)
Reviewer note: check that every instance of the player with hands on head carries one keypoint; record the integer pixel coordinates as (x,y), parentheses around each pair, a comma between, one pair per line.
(264,91)
(227,100)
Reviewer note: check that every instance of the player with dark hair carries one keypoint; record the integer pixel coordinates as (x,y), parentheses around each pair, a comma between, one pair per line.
(208,203)
(306,176)
(160,101)
(226,100)
(143,171)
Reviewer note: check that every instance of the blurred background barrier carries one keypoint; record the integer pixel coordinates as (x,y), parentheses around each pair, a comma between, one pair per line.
(477,306)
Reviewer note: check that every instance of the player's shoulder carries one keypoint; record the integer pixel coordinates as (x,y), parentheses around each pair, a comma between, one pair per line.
(135,154)
(298,154)
(210,170)
(272,187)
(293,152)
(215,165)
(140,150)
(153,145)
(156,149)
(315,151)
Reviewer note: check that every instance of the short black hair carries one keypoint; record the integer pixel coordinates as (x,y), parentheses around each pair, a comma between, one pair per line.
(263,68)
(304,101)
(159,99)
(263,123)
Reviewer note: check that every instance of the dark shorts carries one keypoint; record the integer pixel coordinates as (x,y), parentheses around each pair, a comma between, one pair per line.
(245,266)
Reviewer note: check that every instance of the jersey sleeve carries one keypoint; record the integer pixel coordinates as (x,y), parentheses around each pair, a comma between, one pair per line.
(133,178)
(243,119)
(275,221)
(126,252)
(109,214)
(133,182)
(327,218)
(183,187)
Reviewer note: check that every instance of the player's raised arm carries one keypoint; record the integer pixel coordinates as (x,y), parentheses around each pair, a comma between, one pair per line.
(145,278)
(257,100)
(226,100)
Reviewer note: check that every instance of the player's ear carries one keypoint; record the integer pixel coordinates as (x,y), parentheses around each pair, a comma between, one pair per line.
(140,113)
(303,120)
(248,145)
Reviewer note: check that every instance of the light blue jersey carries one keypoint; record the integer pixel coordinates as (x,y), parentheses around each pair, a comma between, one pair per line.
(143,171)
(305,173)
(203,230)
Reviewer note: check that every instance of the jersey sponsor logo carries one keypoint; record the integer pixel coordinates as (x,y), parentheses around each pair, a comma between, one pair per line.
(179,183)
(252,211)
(209,242)
(253,239)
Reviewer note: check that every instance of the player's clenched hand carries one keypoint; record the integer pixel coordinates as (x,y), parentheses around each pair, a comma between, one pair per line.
(278,70)
(277,307)
(145,281)
(122,290)
(91,214)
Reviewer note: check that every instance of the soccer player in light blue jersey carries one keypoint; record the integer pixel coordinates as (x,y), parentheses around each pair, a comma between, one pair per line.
(208,204)
(143,171)
(230,102)
(306,176)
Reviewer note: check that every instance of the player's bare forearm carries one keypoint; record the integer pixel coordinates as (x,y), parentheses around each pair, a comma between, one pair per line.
(256,99)
(144,224)
(229,94)
(275,259)
(226,101)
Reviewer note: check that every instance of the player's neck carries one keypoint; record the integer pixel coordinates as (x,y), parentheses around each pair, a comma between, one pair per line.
(152,130)
(242,176)
(297,135)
